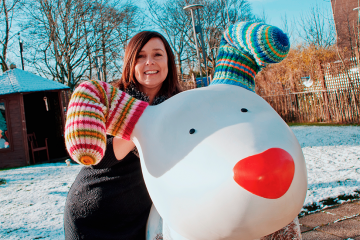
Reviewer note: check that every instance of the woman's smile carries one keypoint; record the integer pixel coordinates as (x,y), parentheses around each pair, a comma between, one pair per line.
(151,72)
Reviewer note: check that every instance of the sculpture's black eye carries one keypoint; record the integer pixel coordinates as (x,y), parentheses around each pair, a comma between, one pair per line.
(192,131)
(244,110)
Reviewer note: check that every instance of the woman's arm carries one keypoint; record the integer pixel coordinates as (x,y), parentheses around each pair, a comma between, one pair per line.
(96,109)
(122,147)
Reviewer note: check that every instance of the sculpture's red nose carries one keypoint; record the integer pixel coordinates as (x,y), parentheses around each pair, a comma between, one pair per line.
(267,174)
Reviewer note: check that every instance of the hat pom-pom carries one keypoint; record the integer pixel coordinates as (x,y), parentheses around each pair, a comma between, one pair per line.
(266,44)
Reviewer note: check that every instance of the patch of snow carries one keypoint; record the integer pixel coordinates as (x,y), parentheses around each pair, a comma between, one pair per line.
(332,157)
(33,198)
(32,201)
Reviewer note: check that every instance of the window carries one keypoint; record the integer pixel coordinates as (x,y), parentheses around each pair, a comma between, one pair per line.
(4,133)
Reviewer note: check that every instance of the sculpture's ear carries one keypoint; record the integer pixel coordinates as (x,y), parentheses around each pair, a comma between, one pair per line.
(245,48)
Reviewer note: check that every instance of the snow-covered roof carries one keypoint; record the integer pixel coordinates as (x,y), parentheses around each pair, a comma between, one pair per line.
(17,81)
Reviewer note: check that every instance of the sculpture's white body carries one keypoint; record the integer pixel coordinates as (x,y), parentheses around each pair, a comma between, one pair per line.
(190,176)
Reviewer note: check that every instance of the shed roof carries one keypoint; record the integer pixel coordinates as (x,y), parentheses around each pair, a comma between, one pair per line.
(18,81)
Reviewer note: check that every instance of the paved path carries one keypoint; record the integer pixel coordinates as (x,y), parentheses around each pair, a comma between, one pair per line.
(336,223)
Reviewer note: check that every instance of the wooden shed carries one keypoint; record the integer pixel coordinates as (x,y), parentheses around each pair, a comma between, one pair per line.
(30,104)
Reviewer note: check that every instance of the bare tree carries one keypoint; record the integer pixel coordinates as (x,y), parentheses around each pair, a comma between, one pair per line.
(287,26)
(217,16)
(113,24)
(175,23)
(317,28)
(67,34)
(132,22)
(7,11)
(59,47)
(263,17)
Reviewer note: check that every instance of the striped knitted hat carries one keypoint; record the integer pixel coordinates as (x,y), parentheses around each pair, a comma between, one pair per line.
(245,49)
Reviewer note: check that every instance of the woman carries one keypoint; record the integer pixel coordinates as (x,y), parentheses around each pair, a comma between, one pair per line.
(110,200)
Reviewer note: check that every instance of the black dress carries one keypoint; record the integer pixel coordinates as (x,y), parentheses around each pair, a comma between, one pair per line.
(108,201)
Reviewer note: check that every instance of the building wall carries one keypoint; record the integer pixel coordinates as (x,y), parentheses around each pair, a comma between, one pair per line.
(18,153)
(346,19)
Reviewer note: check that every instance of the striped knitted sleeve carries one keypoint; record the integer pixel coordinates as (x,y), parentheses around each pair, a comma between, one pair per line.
(96,109)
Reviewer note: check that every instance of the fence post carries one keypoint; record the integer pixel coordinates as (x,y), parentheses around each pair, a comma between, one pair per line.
(325,93)
(193,79)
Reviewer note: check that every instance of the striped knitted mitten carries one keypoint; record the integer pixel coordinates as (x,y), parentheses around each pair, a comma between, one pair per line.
(96,109)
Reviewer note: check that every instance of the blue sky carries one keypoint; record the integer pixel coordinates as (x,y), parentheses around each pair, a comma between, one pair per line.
(274,9)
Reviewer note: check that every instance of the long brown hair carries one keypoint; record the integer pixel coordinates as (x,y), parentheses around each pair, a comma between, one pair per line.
(170,86)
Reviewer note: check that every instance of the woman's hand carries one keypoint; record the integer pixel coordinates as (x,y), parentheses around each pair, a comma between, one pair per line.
(122,147)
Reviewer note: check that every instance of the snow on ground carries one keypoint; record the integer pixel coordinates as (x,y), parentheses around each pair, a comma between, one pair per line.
(332,157)
(32,201)
(33,198)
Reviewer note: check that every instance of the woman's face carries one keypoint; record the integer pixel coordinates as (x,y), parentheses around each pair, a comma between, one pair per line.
(151,67)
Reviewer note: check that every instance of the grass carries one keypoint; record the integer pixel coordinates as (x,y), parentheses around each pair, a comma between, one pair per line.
(324,124)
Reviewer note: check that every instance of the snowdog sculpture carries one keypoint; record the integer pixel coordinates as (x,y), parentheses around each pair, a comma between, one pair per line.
(227,167)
